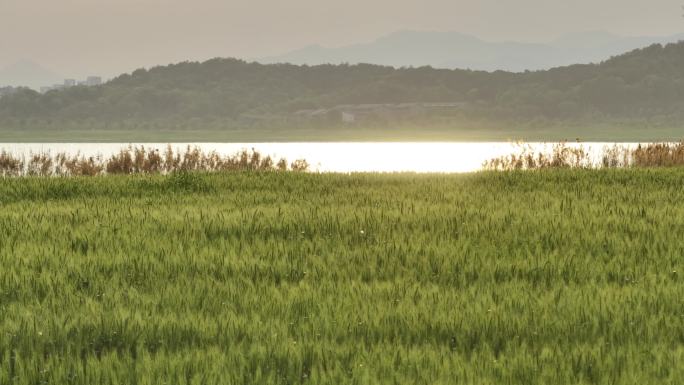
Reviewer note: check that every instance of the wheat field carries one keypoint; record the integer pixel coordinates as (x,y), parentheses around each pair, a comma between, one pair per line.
(537,277)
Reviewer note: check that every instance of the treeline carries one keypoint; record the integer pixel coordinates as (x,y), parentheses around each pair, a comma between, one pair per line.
(646,84)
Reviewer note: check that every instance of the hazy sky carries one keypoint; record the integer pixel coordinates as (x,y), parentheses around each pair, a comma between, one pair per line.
(81,37)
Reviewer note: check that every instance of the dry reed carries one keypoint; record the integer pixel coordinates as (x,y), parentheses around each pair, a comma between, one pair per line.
(617,156)
(141,160)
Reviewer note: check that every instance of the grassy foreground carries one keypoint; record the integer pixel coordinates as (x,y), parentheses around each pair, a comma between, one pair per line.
(545,277)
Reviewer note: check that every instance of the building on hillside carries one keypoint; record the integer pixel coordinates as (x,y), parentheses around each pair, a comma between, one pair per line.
(348,117)
(93,81)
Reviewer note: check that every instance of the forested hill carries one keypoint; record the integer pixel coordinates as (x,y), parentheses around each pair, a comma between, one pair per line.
(643,84)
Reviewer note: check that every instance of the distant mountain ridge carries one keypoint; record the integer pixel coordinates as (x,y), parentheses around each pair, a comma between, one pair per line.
(455,50)
(451,50)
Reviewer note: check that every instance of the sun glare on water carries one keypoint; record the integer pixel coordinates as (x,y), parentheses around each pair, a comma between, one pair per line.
(425,157)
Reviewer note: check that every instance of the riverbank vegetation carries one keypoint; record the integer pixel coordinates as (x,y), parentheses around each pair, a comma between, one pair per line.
(149,160)
(560,276)
(141,160)
(562,155)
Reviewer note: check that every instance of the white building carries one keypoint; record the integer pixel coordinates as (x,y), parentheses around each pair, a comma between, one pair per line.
(93,81)
(68,83)
(348,117)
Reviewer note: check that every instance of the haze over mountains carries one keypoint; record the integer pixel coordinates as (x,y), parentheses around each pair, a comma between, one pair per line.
(26,73)
(457,50)
(452,50)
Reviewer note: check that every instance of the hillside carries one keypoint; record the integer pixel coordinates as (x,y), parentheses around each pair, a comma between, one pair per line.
(643,85)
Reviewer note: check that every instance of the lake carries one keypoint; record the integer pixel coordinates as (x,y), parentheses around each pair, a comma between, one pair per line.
(441,157)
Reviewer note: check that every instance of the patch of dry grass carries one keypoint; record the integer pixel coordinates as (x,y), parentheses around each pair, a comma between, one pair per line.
(141,160)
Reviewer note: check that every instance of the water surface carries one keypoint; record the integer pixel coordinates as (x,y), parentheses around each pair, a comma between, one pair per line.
(440,157)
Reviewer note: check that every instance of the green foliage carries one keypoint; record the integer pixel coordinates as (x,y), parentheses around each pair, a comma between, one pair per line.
(543,277)
(187,181)
(644,85)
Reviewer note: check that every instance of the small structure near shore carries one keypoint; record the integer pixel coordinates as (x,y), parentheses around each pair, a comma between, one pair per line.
(352,113)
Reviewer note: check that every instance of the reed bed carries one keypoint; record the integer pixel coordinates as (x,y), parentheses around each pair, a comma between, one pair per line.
(141,160)
(617,156)
(562,276)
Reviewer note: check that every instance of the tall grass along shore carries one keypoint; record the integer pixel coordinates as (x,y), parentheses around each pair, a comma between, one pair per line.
(141,160)
(566,276)
(148,160)
(650,155)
